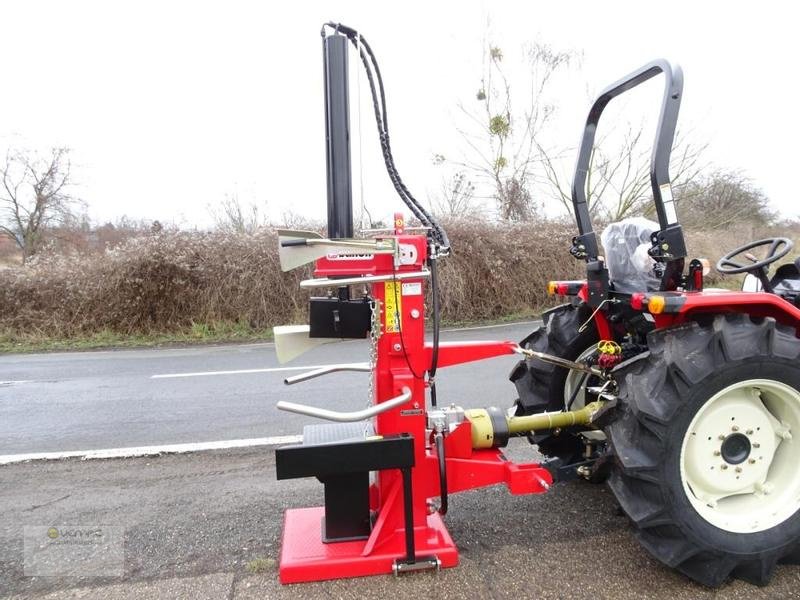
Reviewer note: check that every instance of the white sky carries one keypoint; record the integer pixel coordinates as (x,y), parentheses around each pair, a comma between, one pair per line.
(169,106)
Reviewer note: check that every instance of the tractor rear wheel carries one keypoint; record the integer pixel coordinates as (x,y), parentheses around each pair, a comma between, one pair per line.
(705,462)
(545,387)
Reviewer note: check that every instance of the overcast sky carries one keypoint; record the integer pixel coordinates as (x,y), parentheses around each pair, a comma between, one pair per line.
(170,106)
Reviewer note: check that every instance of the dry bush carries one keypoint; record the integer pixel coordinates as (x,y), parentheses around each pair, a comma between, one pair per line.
(155,283)
(167,281)
(497,270)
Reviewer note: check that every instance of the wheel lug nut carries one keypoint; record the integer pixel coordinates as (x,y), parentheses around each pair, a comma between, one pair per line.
(756,445)
(735,428)
(717,452)
(738,469)
(724,466)
(749,432)
(751,461)
(722,436)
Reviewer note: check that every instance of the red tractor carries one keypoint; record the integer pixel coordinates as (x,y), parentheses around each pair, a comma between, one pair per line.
(698,442)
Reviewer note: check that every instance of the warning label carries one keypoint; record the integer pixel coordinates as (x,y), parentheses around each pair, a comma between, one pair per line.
(393,302)
(412,289)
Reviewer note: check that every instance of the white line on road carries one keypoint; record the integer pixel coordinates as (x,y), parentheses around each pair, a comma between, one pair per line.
(152,450)
(310,367)
(237,372)
(4,383)
(495,326)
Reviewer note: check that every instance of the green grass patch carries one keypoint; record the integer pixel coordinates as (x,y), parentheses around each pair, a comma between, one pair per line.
(217,332)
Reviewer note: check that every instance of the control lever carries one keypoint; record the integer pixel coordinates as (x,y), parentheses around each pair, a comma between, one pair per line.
(346,417)
(360,367)
(341,281)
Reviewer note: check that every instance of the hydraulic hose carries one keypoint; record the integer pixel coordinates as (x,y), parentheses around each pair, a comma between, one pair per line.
(436,327)
(381,118)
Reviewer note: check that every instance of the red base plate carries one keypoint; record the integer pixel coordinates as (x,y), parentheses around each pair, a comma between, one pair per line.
(305,558)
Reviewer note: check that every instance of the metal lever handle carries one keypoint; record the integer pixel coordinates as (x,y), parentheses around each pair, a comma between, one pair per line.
(558,361)
(361,367)
(345,417)
(325,282)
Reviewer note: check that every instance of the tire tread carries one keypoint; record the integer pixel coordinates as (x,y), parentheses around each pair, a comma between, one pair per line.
(652,392)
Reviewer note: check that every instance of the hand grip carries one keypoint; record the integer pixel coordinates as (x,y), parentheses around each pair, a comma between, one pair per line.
(346,417)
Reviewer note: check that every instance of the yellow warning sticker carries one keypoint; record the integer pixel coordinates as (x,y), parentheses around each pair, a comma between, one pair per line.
(393,300)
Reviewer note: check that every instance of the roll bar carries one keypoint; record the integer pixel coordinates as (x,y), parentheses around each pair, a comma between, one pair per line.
(659,161)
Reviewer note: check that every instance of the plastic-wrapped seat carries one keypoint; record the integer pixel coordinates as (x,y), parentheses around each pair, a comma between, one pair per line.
(630,267)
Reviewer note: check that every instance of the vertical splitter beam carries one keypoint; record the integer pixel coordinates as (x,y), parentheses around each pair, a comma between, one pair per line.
(337,137)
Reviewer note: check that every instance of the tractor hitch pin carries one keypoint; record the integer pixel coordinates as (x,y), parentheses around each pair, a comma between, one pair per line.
(561,362)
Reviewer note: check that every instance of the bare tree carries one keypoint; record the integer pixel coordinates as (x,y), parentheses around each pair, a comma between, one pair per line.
(34,196)
(507,153)
(618,182)
(236,217)
(457,198)
(502,135)
(722,199)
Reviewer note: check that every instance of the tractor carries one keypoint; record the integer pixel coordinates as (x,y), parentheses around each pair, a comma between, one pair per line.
(684,399)
(697,445)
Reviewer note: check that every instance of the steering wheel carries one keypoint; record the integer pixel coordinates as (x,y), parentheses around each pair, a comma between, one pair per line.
(778,248)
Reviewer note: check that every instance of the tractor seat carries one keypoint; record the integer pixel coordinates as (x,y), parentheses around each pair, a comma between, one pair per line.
(786,282)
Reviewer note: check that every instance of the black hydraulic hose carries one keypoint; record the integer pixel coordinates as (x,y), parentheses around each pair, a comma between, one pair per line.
(352,34)
(379,107)
(437,233)
(388,158)
(439,439)
(436,326)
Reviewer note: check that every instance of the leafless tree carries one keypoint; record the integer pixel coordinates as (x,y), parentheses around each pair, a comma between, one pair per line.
(234,216)
(722,199)
(457,198)
(502,135)
(34,196)
(618,182)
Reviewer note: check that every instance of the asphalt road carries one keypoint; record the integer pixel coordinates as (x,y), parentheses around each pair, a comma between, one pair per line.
(194,522)
(110,399)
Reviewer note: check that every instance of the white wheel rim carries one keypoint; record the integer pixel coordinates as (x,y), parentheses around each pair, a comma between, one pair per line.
(739,462)
(574,378)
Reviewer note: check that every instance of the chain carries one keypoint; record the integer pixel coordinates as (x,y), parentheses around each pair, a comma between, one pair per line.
(374,336)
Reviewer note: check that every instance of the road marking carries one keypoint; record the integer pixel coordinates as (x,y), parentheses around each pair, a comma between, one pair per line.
(17,382)
(152,450)
(312,367)
(237,372)
(476,327)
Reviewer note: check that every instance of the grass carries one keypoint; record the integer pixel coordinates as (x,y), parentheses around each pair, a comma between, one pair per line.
(219,332)
(198,333)
(260,565)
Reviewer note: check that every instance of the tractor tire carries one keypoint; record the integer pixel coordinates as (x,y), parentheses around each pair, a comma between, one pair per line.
(704,463)
(544,387)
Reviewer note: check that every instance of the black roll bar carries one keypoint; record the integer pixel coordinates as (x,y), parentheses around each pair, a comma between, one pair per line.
(659,160)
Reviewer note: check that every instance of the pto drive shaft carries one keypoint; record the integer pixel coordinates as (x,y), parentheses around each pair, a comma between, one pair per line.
(491,427)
